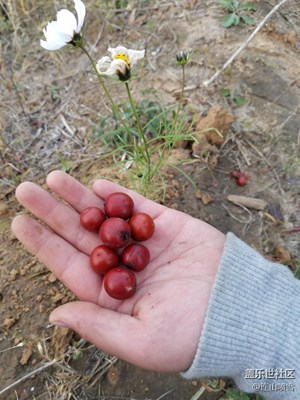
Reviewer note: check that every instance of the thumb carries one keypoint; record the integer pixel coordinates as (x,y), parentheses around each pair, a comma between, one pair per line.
(115,333)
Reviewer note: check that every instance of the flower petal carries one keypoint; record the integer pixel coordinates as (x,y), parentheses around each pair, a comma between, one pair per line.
(53,34)
(80,8)
(51,45)
(116,67)
(61,32)
(66,22)
(120,63)
(114,51)
(135,55)
(103,64)
(132,55)
(50,29)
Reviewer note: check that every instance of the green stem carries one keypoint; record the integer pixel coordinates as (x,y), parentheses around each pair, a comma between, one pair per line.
(113,104)
(140,128)
(183,84)
(173,128)
(180,99)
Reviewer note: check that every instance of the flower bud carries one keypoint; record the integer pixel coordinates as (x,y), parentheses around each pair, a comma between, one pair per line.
(182,58)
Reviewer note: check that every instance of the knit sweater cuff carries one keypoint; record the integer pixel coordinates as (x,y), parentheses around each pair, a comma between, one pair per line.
(252,327)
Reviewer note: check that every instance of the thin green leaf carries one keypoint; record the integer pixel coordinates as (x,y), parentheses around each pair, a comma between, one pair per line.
(229,20)
(225,92)
(248,20)
(239,100)
(227,4)
(187,177)
(236,4)
(248,6)
(237,20)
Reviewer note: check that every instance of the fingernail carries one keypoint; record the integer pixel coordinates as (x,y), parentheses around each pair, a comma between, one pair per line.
(57,322)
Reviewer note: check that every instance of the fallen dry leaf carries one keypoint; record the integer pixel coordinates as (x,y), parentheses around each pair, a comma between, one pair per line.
(282,254)
(61,340)
(217,119)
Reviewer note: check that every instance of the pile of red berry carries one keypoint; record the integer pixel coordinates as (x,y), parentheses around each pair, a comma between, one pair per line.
(119,256)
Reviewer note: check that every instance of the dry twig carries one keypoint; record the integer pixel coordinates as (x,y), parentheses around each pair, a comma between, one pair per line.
(34,372)
(249,202)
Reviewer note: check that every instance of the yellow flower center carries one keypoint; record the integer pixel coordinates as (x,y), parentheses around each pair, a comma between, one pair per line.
(124,57)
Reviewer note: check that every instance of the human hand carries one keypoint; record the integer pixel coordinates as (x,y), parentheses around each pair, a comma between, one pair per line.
(159,327)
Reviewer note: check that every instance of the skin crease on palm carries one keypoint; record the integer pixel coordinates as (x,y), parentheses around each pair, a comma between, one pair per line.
(159,327)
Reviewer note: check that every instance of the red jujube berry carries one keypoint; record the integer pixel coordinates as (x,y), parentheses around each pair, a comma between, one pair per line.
(136,256)
(142,226)
(115,232)
(120,283)
(119,205)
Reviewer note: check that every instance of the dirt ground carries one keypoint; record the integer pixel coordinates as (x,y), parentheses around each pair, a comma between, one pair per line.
(50,107)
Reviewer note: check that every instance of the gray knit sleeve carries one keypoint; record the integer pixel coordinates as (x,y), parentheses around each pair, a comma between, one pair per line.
(251,331)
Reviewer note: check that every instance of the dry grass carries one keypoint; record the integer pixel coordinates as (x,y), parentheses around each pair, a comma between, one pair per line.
(49,104)
(65,382)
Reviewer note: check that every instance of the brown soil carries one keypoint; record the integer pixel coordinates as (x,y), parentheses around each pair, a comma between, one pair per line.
(50,107)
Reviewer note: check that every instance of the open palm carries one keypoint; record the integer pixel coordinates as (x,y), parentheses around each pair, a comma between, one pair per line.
(159,327)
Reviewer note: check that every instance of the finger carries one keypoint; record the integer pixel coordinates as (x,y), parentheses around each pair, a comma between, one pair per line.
(104,188)
(61,258)
(72,191)
(116,333)
(79,197)
(61,218)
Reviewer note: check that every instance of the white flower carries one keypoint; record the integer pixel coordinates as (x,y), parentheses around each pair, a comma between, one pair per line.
(61,32)
(120,62)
